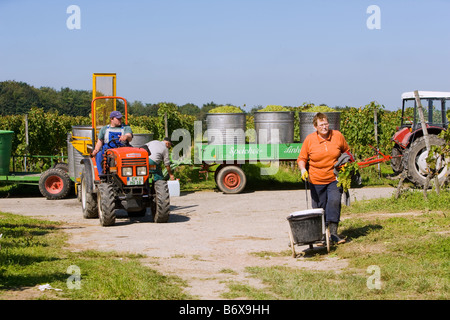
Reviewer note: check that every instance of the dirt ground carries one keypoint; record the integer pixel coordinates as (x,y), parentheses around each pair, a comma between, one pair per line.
(208,240)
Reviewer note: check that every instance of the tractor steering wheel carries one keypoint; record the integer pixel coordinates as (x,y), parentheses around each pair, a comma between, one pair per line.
(116,143)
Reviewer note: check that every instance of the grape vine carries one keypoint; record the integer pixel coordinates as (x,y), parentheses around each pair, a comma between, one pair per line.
(346,173)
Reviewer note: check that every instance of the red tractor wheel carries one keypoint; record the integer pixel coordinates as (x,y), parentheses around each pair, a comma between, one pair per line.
(231,179)
(54,184)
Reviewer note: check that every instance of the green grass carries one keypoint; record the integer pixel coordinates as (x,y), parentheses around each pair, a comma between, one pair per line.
(409,200)
(32,253)
(411,250)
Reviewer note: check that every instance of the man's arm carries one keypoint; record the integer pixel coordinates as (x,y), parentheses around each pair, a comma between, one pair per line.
(98,147)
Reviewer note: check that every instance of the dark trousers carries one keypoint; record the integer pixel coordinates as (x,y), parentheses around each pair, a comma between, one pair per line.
(327,197)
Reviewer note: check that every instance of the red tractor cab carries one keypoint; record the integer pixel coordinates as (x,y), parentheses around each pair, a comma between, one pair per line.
(410,151)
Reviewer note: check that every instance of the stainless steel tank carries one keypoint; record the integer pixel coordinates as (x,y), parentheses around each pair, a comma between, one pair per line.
(139,139)
(75,156)
(274,127)
(306,122)
(82,131)
(225,128)
(74,159)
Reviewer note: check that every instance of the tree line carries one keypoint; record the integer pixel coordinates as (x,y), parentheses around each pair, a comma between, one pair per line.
(20,97)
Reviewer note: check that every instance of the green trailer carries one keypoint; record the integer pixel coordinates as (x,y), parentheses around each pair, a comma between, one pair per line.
(229,176)
(54,183)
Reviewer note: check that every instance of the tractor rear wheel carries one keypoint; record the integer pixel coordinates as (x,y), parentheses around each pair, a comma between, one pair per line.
(415,161)
(106,204)
(88,200)
(55,184)
(161,201)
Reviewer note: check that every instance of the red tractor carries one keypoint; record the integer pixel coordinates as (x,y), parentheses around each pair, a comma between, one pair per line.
(410,151)
(126,182)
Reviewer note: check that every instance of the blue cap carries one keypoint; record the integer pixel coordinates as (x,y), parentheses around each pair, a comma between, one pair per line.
(115,114)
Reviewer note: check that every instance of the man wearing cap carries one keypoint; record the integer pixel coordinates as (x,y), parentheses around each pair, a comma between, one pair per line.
(160,153)
(115,130)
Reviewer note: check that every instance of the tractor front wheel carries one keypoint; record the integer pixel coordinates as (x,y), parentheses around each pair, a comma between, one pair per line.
(161,201)
(397,161)
(106,205)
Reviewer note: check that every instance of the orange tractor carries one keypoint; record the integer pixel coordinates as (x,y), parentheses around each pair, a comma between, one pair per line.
(125,183)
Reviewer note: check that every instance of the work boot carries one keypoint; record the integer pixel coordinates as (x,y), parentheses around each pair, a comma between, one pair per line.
(333,232)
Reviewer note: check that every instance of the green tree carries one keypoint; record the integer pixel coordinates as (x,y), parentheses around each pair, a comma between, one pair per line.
(137,108)
(190,109)
(17,97)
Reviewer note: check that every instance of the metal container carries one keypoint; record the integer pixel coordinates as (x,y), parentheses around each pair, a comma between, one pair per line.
(307,226)
(82,131)
(74,159)
(225,128)
(139,139)
(274,127)
(75,156)
(306,122)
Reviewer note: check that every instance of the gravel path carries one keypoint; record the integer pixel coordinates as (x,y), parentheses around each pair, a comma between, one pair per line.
(208,240)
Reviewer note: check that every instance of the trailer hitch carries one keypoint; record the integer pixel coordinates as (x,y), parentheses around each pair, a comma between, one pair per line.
(378,158)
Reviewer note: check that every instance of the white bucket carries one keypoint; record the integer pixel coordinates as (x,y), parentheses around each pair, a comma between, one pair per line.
(305,212)
(174,187)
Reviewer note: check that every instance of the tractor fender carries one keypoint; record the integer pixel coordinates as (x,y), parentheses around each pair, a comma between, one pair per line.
(402,137)
(89,170)
(405,136)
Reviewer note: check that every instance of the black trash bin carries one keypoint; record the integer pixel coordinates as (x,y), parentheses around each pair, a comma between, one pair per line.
(307,226)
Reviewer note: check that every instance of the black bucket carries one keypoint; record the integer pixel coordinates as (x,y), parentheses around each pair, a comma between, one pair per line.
(307,226)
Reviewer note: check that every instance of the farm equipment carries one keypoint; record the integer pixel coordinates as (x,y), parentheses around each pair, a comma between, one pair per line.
(54,183)
(408,155)
(229,176)
(409,152)
(126,182)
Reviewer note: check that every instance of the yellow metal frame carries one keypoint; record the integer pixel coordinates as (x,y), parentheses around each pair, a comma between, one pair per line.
(83,144)
(94,96)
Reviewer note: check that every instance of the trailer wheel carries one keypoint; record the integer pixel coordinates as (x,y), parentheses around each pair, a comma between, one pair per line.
(88,200)
(62,165)
(161,201)
(106,205)
(54,184)
(231,179)
(415,161)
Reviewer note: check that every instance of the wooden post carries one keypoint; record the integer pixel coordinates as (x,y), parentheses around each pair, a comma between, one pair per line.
(427,142)
(26,143)
(375,122)
(166,127)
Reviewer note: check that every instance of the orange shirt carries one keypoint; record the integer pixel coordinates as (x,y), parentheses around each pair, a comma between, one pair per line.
(322,154)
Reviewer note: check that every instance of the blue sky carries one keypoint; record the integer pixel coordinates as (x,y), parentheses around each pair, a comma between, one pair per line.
(242,52)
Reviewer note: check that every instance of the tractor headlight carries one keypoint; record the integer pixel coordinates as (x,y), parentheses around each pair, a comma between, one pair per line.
(127,171)
(141,171)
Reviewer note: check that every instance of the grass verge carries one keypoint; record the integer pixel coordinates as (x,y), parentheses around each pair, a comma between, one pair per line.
(396,250)
(32,253)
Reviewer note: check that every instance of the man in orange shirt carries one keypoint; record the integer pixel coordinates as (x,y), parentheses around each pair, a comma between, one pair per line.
(320,152)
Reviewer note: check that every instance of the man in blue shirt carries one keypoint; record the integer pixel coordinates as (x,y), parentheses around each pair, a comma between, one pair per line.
(115,130)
